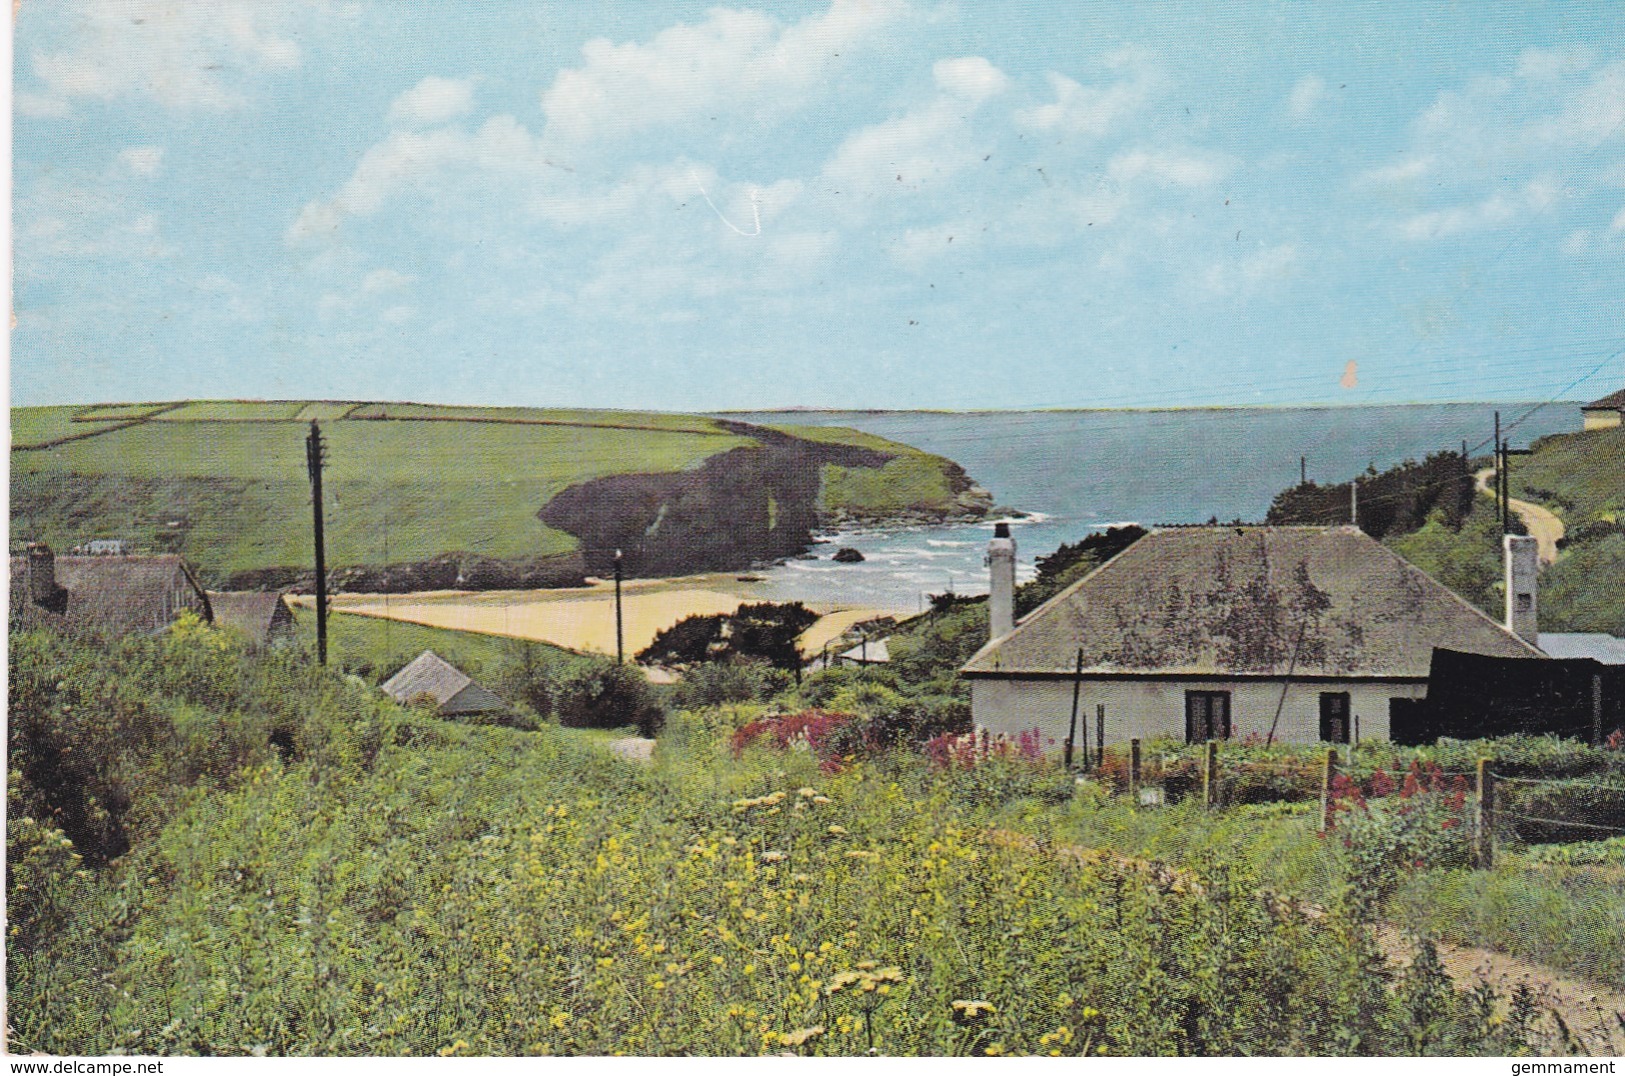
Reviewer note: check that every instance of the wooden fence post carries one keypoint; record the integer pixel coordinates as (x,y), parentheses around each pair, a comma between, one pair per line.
(1100,735)
(1484,831)
(1210,775)
(1326,774)
(1596,709)
(1072,725)
(1134,770)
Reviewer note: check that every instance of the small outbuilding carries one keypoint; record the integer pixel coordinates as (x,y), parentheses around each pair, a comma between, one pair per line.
(453,692)
(264,617)
(1606,413)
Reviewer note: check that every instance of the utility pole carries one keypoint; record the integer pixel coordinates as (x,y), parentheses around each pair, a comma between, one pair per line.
(1303,470)
(1498,498)
(315,460)
(620,646)
(1506,490)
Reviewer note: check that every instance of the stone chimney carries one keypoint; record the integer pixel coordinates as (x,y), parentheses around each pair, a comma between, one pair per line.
(1001,593)
(41,573)
(1522,565)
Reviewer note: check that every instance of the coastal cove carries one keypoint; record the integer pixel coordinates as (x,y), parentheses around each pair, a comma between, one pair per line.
(1075,472)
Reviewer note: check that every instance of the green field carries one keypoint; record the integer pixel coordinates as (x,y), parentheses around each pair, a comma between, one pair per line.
(224,482)
(375,648)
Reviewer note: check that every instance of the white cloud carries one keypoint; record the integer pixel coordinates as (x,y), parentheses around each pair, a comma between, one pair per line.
(184,55)
(432,101)
(1305,97)
(382,280)
(1170,167)
(1495,211)
(923,146)
(1256,272)
(144,161)
(78,222)
(40,105)
(413,159)
(1619,222)
(1399,173)
(398,315)
(1093,111)
(733,59)
(970,78)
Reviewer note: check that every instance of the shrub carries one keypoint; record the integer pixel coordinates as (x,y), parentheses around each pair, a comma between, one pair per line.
(1422,825)
(600,693)
(716,683)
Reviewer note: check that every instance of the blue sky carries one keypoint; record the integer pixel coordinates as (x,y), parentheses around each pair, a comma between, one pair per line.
(869,203)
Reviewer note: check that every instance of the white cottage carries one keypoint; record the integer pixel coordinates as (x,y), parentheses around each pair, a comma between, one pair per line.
(1216,632)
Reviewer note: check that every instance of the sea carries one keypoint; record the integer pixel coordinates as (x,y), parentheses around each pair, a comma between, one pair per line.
(1070,473)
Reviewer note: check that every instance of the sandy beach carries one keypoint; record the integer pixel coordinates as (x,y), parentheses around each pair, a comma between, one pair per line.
(583,618)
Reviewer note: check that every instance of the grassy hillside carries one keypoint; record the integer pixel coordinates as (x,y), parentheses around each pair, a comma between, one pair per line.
(224,482)
(912,483)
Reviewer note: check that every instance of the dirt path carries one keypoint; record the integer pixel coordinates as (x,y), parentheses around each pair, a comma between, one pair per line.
(633,748)
(1592,1014)
(1543,524)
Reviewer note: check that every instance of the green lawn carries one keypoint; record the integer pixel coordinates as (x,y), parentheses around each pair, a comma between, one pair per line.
(375,649)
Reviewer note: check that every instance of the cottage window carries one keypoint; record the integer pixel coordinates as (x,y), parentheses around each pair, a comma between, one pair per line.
(1207,716)
(1334,716)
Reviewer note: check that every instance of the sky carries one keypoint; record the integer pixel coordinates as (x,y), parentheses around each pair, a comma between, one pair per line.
(856,204)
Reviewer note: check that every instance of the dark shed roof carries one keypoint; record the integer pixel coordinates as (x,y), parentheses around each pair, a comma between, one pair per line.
(111,595)
(453,690)
(1614,401)
(259,615)
(1242,601)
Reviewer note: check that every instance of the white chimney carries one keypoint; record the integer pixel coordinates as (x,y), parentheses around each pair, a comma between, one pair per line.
(1522,565)
(1001,592)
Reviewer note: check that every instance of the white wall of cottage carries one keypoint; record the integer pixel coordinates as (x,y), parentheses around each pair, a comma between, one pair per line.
(1148,709)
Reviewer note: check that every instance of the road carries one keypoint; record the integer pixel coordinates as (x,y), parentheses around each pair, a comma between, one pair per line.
(1544,526)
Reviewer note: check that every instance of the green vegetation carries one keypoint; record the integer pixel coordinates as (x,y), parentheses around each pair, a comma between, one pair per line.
(375,648)
(307,868)
(1581,477)
(42,425)
(1467,559)
(913,483)
(397,492)
(1392,502)
(1420,512)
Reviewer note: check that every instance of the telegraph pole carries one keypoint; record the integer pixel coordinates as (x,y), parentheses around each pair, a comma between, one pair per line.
(315,460)
(1303,470)
(620,646)
(1499,499)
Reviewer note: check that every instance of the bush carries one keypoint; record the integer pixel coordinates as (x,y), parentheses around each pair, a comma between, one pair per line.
(1422,825)
(600,693)
(716,683)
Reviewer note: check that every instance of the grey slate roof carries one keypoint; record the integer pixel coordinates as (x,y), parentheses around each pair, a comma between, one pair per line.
(111,595)
(453,690)
(1233,601)
(260,615)
(1614,401)
(1608,649)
